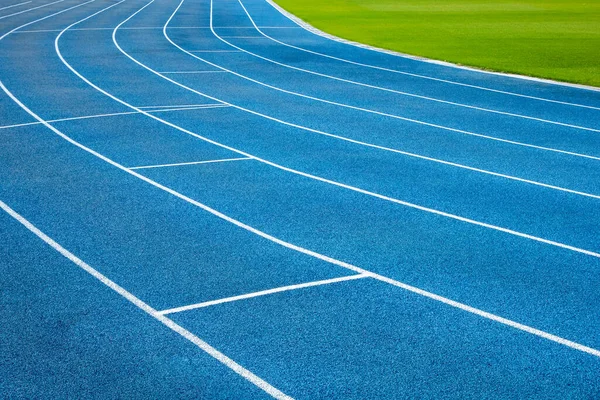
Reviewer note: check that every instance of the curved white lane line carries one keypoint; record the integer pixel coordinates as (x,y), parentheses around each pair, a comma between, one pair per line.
(512,142)
(405,153)
(283,168)
(222,358)
(300,173)
(370,144)
(378,87)
(31,9)
(309,28)
(421,292)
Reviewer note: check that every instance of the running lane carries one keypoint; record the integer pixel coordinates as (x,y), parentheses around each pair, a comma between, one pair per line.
(542,156)
(352,89)
(66,333)
(237,128)
(360,338)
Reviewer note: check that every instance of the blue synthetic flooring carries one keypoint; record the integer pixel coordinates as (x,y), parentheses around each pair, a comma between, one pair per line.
(491,202)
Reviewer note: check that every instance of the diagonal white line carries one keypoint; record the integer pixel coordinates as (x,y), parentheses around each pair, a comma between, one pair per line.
(192,163)
(85,29)
(146,308)
(71,119)
(34,8)
(182,106)
(244,37)
(15,5)
(162,110)
(262,293)
(115,115)
(214,51)
(191,72)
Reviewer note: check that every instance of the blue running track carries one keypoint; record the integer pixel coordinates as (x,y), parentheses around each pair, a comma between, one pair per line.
(205,199)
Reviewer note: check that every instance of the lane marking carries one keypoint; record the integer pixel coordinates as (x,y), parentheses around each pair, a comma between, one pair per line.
(366,144)
(192,163)
(371,87)
(464,307)
(261,293)
(126,28)
(311,29)
(87,29)
(157,27)
(191,72)
(161,110)
(214,51)
(109,115)
(304,174)
(204,346)
(243,37)
(31,9)
(183,106)
(14,5)
(512,142)
(222,358)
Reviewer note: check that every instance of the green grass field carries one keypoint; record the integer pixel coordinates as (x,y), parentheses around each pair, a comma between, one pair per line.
(544,38)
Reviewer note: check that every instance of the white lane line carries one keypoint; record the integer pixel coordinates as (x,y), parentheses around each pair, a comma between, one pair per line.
(191,72)
(133,28)
(317,32)
(87,29)
(14,5)
(192,163)
(31,9)
(366,144)
(244,37)
(214,51)
(70,119)
(421,292)
(183,106)
(111,115)
(300,173)
(276,27)
(262,293)
(487,137)
(541,120)
(222,358)
(204,346)
(161,110)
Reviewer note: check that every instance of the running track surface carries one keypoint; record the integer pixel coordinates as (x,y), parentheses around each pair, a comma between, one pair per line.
(395,228)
